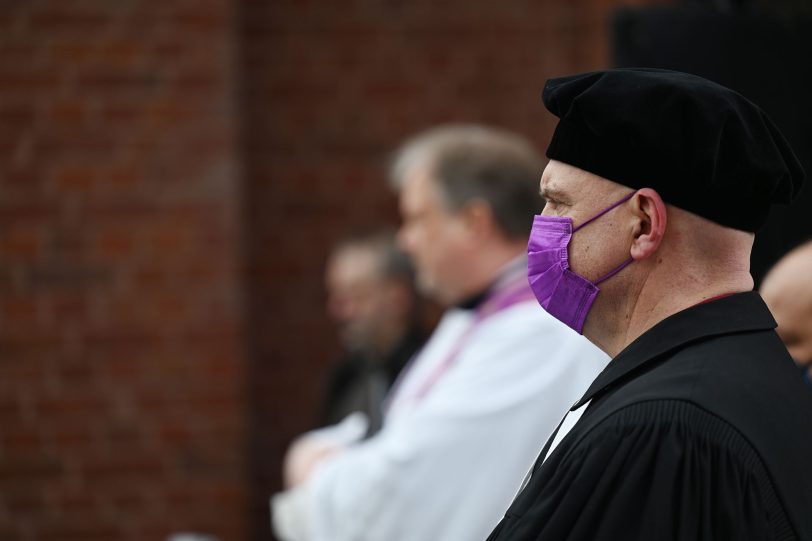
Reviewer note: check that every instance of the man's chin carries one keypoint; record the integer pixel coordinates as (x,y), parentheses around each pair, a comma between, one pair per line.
(353,342)
(429,289)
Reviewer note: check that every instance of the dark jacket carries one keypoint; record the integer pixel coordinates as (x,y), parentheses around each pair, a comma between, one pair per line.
(700,429)
(360,382)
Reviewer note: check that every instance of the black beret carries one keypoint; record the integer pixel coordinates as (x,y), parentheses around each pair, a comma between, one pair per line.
(703,147)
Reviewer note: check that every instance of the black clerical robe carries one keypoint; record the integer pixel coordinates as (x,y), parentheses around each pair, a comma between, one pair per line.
(360,381)
(700,429)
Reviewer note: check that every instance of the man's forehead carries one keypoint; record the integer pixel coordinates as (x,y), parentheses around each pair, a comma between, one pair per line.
(559,178)
(562,179)
(354,262)
(417,183)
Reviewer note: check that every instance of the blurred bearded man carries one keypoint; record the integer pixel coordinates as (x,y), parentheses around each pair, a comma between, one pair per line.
(371,298)
(465,419)
(698,429)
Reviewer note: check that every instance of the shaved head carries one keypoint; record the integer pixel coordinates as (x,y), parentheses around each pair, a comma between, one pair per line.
(787,289)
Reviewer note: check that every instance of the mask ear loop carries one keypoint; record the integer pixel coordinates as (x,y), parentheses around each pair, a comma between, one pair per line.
(615,271)
(601,213)
(604,211)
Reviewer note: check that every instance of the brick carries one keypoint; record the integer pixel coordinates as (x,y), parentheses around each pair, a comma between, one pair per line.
(71,501)
(122,53)
(123,466)
(78,528)
(69,407)
(24,468)
(122,113)
(67,112)
(152,278)
(121,369)
(67,276)
(15,117)
(23,79)
(53,17)
(13,531)
(75,179)
(20,501)
(206,79)
(75,51)
(196,20)
(112,244)
(73,372)
(10,412)
(175,433)
(167,240)
(33,347)
(20,311)
(118,79)
(20,440)
(129,504)
(62,143)
(69,436)
(171,50)
(12,213)
(22,243)
(123,176)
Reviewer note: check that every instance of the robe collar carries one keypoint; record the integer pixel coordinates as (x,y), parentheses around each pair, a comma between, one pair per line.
(509,272)
(741,312)
(474,301)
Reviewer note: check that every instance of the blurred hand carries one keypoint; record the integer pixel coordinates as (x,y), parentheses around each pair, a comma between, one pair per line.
(302,458)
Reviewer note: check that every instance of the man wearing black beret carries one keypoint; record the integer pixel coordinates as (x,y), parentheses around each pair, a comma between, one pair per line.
(699,427)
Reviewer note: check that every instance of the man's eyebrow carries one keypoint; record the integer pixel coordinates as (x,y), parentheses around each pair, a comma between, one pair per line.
(551,192)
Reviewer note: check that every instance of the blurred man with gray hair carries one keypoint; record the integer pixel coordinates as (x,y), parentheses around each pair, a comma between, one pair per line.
(465,418)
(372,299)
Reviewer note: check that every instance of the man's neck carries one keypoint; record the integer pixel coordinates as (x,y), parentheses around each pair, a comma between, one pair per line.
(390,337)
(629,318)
(487,272)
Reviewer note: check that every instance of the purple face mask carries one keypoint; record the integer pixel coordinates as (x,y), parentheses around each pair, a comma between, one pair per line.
(563,294)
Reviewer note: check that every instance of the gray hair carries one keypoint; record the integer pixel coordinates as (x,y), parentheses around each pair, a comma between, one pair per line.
(469,162)
(394,263)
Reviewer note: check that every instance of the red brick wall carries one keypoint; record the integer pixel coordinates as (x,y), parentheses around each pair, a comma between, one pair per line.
(331,88)
(171,175)
(121,358)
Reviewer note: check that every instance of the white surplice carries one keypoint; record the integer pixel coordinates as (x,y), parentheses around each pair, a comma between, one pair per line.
(449,460)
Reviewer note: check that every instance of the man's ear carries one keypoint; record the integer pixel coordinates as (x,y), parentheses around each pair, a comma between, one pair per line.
(479,218)
(649,209)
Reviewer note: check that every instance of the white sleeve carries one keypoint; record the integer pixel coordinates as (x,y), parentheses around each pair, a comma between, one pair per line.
(449,468)
(289,520)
